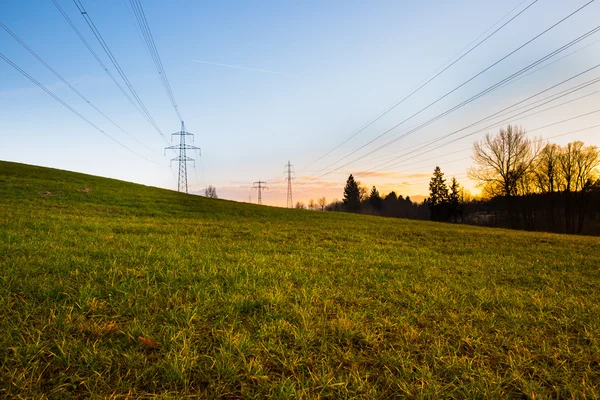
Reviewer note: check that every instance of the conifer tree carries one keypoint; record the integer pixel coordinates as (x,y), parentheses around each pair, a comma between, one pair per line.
(438,196)
(351,195)
(455,201)
(375,199)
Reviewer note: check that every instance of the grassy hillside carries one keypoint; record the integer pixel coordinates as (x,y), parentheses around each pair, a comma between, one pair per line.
(113,289)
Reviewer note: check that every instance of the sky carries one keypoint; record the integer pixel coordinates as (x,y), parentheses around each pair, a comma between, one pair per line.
(261,83)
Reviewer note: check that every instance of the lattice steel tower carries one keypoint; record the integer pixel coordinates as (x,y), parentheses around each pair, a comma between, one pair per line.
(288,178)
(260,187)
(182,185)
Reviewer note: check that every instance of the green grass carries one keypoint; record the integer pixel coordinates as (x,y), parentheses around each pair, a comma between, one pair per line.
(253,302)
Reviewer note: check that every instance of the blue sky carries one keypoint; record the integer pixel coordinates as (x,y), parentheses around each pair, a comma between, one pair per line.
(334,66)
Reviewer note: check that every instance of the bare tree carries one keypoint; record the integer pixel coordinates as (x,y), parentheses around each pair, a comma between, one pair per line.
(547,171)
(211,191)
(504,162)
(576,165)
(300,205)
(312,205)
(587,162)
(322,203)
(466,196)
(363,192)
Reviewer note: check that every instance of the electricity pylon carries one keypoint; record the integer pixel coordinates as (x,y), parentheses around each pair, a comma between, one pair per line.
(288,178)
(260,187)
(182,185)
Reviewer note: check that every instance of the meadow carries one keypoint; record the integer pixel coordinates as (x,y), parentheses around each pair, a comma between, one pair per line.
(115,290)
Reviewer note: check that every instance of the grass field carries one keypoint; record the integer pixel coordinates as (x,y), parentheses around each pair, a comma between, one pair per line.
(111,289)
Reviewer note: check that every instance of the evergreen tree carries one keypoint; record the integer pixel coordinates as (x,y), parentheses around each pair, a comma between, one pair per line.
(351,195)
(438,196)
(389,204)
(375,199)
(391,197)
(455,203)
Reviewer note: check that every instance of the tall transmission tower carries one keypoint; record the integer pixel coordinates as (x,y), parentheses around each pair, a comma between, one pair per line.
(183,159)
(260,187)
(288,178)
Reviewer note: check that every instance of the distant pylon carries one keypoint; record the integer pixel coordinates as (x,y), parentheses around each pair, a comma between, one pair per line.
(182,185)
(260,187)
(288,178)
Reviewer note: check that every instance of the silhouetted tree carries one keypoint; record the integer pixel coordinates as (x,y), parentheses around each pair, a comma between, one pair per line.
(438,196)
(375,199)
(576,164)
(312,205)
(211,191)
(363,192)
(391,196)
(300,205)
(335,205)
(389,204)
(547,172)
(503,162)
(351,195)
(322,203)
(455,202)
(547,180)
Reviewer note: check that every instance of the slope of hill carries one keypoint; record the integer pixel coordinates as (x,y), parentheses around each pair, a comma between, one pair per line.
(111,289)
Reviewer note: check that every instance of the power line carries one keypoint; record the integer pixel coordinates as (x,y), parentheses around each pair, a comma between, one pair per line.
(471,99)
(146,116)
(77,92)
(499,113)
(498,124)
(115,63)
(197,176)
(512,82)
(529,131)
(202,171)
(140,16)
(419,161)
(112,58)
(551,63)
(572,132)
(427,81)
(55,97)
(146,33)
(456,88)
(547,140)
(536,129)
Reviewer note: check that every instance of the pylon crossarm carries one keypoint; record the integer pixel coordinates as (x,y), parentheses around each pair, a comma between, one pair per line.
(182,133)
(186,158)
(182,146)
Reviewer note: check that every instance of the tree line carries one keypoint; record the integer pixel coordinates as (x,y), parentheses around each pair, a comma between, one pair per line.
(528,185)
(359,199)
(524,185)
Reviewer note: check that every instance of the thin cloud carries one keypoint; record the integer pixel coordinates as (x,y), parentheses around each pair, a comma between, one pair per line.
(311,181)
(418,176)
(266,71)
(378,174)
(310,178)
